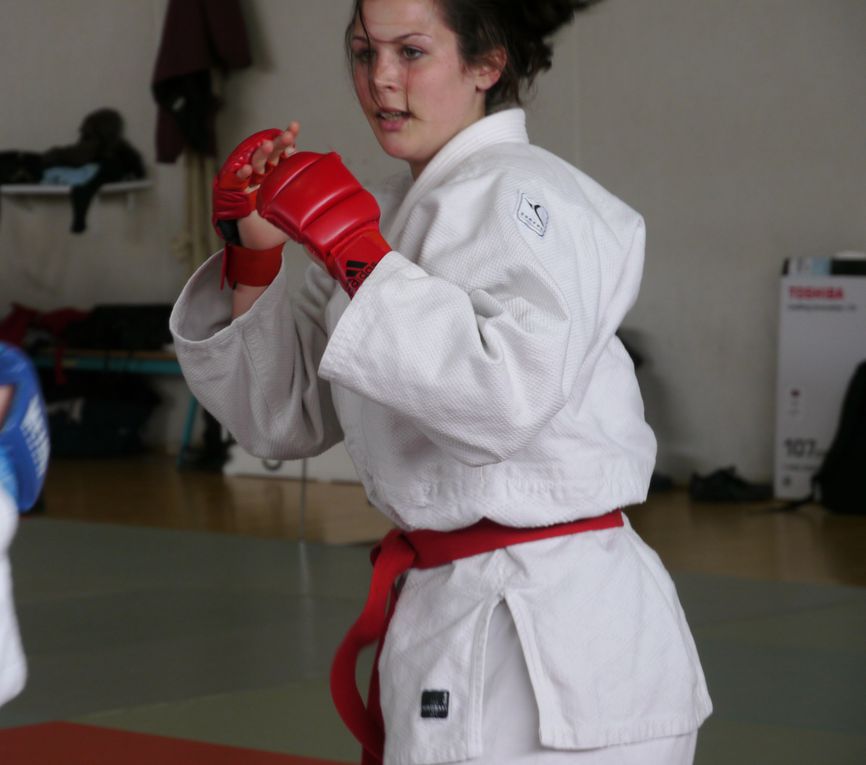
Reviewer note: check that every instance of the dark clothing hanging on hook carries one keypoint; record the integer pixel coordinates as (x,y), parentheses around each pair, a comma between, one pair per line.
(197,36)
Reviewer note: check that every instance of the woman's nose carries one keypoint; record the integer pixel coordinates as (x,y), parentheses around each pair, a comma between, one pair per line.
(386,74)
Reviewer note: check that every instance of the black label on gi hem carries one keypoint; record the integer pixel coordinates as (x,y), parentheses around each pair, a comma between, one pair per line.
(434,704)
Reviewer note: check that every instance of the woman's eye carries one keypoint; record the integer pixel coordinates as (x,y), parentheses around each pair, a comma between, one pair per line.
(412,53)
(363,56)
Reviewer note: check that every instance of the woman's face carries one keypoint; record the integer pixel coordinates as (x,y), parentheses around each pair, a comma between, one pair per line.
(412,85)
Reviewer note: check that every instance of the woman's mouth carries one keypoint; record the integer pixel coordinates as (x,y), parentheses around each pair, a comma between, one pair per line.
(392,120)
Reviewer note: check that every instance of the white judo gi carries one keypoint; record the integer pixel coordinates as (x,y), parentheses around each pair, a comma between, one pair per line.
(13,666)
(476,374)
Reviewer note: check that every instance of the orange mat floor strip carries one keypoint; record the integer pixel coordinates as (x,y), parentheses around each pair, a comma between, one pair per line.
(62,743)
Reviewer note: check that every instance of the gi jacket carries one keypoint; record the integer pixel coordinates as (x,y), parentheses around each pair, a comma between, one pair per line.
(476,374)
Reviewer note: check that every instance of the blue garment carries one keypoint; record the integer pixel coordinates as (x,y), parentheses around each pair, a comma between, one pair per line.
(8,482)
(69,176)
(24,438)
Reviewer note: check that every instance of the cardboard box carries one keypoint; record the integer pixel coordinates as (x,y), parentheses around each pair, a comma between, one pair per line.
(822,339)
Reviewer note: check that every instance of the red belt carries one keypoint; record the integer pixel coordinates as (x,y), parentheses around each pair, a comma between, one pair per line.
(394,555)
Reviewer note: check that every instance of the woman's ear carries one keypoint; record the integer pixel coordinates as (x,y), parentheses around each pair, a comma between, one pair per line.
(488,72)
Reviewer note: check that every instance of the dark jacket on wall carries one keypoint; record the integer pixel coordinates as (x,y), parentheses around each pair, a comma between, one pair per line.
(197,36)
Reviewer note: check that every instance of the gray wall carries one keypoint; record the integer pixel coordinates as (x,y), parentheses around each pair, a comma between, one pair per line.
(62,60)
(738,128)
(735,126)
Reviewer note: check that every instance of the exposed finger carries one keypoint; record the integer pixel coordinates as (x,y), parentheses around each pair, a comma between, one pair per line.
(261,156)
(247,174)
(279,148)
(288,140)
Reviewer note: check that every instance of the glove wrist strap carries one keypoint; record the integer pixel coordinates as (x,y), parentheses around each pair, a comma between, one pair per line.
(256,268)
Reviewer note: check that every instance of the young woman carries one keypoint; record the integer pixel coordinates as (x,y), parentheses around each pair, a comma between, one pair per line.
(457,333)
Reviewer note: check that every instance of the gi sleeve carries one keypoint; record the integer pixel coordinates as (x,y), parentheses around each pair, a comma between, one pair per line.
(482,341)
(257,374)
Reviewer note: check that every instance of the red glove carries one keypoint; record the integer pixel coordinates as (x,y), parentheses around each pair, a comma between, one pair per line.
(231,201)
(319,203)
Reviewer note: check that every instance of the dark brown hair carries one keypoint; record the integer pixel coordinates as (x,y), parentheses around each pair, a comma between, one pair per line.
(522,28)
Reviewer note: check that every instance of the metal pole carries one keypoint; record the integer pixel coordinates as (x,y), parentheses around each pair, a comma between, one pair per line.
(302,531)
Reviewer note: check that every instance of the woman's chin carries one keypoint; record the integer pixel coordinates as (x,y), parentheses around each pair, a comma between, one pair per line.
(393,147)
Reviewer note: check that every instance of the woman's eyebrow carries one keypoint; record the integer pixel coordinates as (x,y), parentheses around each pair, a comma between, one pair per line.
(399,38)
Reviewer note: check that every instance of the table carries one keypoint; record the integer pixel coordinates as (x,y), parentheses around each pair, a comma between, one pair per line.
(131,362)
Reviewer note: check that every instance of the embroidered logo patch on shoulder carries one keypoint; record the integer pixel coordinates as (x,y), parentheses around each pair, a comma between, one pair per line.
(434,704)
(532,215)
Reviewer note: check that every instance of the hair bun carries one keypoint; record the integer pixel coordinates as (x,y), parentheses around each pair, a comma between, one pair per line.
(532,23)
(545,17)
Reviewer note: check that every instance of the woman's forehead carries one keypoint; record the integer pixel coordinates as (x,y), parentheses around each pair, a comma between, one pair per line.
(387,20)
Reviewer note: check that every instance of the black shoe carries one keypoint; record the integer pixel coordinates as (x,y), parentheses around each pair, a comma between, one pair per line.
(726,486)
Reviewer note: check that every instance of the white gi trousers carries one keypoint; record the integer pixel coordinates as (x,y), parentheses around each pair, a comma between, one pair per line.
(511,716)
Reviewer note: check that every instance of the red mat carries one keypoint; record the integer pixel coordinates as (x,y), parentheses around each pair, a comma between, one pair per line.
(60,743)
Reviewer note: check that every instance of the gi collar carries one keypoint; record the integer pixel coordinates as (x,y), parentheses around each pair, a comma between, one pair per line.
(507,126)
